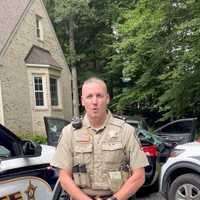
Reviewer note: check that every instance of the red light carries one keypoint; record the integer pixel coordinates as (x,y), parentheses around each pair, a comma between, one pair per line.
(198,140)
(150,150)
(49,167)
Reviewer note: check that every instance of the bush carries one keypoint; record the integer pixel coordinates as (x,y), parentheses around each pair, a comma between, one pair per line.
(41,139)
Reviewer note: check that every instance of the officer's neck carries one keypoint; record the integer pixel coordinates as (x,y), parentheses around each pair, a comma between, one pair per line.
(97,122)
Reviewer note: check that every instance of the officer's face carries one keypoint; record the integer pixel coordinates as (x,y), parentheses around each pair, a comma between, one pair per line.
(95,99)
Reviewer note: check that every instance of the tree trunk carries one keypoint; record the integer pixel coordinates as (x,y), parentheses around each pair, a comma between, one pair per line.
(73,68)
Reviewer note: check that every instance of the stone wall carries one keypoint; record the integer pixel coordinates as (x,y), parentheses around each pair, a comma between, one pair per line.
(20,114)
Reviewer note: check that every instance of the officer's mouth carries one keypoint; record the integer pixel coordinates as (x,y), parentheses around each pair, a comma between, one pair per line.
(95,110)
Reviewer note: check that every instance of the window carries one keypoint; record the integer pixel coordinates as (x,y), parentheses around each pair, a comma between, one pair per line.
(4,152)
(54,91)
(178,127)
(54,127)
(39,28)
(39,93)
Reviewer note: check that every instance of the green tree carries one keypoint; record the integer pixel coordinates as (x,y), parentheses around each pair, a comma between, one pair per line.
(154,43)
(158,48)
(181,98)
(93,35)
(69,14)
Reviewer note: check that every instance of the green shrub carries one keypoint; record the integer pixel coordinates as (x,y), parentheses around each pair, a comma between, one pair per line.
(41,139)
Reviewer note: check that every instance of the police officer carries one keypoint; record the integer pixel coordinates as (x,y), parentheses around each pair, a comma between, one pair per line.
(102,159)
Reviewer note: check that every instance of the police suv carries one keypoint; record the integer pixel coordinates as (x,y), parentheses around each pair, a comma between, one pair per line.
(25,172)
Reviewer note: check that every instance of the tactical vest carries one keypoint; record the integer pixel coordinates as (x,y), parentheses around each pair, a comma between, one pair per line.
(98,157)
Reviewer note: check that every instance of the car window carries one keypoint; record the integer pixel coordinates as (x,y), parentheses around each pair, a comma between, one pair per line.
(178,127)
(54,127)
(4,152)
(144,125)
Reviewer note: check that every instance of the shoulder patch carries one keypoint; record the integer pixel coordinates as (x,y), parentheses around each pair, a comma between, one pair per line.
(64,131)
(117,122)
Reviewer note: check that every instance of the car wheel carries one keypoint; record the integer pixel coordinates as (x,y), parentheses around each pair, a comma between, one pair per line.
(185,187)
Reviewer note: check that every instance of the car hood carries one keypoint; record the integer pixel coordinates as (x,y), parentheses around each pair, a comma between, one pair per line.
(185,152)
(18,162)
(189,146)
(47,153)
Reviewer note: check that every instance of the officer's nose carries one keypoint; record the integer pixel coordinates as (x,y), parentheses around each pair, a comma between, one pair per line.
(94,100)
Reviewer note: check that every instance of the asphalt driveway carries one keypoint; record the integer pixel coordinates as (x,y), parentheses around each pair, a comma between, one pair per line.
(153,196)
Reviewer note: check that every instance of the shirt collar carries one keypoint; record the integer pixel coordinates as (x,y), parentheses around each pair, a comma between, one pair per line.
(86,122)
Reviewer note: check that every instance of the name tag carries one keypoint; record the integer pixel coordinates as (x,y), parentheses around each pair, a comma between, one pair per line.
(83,139)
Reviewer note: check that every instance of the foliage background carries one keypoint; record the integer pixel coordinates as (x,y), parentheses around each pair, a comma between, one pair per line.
(39,138)
(147,51)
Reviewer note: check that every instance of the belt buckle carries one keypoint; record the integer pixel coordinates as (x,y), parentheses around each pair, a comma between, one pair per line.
(101,198)
(97,198)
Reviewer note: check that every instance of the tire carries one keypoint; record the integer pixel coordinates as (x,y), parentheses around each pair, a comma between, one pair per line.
(185,187)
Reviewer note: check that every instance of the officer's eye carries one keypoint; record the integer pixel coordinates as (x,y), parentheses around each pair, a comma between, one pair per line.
(89,96)
(99,95)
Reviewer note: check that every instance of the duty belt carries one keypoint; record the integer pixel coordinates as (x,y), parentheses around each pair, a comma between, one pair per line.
(100,197)
(97,193)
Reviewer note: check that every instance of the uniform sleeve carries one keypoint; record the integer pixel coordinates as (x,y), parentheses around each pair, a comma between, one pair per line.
(63,156)
(133,148)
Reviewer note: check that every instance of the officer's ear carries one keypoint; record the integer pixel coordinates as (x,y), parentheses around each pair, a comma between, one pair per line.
(108,99)
(82,101)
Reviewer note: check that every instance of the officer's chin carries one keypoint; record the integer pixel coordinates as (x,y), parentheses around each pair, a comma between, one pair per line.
(95,115)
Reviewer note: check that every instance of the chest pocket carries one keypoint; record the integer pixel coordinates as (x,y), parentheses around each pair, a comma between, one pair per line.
(82,153)
(112,152)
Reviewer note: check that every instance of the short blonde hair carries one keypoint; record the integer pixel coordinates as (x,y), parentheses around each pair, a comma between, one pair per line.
(95,80)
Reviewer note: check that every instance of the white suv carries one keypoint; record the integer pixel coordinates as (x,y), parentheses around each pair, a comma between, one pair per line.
(180,175)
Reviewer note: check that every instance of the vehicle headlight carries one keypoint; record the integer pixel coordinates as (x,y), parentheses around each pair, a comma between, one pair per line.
(176,152)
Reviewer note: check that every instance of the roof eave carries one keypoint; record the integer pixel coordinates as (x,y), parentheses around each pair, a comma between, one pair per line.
(31,65)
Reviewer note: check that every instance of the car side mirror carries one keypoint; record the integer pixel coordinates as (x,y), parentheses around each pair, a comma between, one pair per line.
(31,148)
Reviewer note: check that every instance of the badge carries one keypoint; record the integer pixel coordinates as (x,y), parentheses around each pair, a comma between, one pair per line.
(31,191)
(113,134)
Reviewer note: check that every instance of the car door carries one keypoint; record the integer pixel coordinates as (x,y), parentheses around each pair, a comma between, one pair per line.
(59,193)
(22,172)
(178,131)
(54,126)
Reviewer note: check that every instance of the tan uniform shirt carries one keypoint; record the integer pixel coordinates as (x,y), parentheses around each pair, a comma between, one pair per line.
(102,150)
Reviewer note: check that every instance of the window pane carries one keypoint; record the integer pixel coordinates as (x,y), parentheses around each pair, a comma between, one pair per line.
(40,87)
(39,94)
(54,91)
(39,28)
(4,152)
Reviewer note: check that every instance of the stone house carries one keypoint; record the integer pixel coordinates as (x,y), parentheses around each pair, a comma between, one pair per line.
(35,80)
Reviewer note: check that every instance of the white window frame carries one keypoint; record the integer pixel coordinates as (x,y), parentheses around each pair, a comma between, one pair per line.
(39,28)
(43,91)
(57,90)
